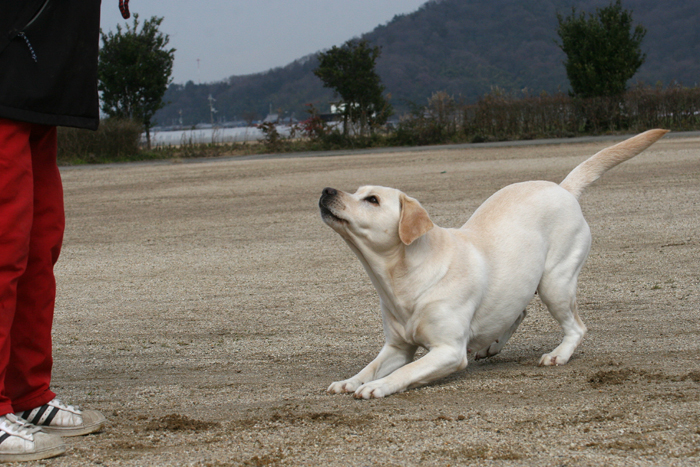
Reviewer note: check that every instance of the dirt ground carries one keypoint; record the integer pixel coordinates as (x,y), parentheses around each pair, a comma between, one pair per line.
(205,308)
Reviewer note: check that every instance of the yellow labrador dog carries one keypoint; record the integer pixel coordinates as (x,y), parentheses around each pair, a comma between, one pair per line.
(464,291)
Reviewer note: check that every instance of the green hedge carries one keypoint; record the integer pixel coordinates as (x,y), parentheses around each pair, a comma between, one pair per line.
(501,116)
(115,140)
(498,116)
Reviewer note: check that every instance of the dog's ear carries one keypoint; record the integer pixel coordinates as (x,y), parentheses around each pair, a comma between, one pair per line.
(414,221)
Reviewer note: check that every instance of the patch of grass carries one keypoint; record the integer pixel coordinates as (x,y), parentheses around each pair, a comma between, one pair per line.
(114,141)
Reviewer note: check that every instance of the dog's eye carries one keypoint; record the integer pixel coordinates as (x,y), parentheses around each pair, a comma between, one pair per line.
(372,199)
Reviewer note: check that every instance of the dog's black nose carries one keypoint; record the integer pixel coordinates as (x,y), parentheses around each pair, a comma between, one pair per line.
(329,191)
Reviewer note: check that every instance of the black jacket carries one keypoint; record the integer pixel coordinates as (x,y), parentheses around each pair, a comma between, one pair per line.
(48,61)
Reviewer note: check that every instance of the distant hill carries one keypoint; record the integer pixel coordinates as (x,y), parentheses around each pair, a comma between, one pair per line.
(463,47)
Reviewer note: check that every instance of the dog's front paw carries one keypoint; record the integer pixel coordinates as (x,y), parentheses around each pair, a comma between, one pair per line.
(372,390)
(340,387)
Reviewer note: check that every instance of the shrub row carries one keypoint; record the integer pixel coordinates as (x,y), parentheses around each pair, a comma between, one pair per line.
(503,116)
(497,116)
(115,140)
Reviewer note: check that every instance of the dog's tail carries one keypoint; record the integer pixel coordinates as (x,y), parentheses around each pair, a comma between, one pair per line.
(591,169)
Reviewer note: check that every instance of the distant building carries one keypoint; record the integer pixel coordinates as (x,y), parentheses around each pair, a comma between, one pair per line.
(271,118)
(275,118)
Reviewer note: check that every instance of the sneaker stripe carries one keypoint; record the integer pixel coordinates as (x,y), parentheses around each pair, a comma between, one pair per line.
(51,416)
(4,437)
(37,417)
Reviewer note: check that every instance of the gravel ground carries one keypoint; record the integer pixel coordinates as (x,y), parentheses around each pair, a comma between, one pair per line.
(205,308)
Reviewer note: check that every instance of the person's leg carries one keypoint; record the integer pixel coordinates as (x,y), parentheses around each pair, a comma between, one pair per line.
(19,441)
(16,212)
(29,370)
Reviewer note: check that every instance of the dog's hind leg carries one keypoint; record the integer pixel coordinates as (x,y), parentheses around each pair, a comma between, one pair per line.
(561,303)
(496,346)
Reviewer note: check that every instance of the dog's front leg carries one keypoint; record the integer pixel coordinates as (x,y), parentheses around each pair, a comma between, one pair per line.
(391,357)
(438,362)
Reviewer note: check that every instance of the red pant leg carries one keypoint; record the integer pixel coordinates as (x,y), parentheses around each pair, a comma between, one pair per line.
(16,212)
(28,373)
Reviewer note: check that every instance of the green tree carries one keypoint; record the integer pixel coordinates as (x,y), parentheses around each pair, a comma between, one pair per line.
(134,71)
(350,71)
(603,51)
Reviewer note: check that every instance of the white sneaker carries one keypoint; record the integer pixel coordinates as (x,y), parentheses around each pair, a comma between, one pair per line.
(64,420)
(21,441)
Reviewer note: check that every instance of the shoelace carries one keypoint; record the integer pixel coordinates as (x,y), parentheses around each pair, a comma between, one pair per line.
(18,427)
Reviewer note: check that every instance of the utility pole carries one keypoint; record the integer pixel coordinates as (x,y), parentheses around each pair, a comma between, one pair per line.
(212,110)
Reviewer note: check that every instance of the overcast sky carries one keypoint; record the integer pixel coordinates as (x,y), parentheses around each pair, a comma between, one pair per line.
(239,37)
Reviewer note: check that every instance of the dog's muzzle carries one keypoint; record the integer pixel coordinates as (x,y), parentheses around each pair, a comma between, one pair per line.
(329,203)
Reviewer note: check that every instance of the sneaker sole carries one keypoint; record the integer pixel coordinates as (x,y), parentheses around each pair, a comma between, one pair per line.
(77,431)
(34,456)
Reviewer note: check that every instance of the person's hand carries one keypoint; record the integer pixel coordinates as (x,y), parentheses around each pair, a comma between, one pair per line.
(124,8)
